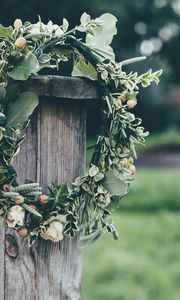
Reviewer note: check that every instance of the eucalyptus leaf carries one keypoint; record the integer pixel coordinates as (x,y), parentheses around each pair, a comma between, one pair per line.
(93,171)
(65,25)
(115,185)
(84,69)
(85,18)
(102,36)
(26,66)
(44,58)
(5,32)
(21,109)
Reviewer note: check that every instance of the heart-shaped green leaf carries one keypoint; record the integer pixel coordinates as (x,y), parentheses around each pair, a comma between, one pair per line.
(115,185)
(26,66)
(20,110)
(84,69)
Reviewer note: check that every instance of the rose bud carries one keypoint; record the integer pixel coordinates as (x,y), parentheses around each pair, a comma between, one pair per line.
(125,163)
(19,199)
(132,168)
(43,199)
(22,231)
(6,187)
(122,98)
(15,216)
(131,103)
(18,23)
(21,42)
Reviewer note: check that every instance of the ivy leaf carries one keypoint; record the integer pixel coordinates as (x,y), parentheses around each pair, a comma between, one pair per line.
(84,69)
(26,66)
(115,185)
(12,92)
(101,36)
(19,111)
(5,32)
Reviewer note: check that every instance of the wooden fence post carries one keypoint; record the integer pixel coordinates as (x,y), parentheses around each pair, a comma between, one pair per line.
(54,151)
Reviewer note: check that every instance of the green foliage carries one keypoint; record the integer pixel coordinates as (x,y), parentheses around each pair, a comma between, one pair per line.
(84,207)
(20,110)
(83,68)
(26,66)
(116,186)
(5,32)
(100,37)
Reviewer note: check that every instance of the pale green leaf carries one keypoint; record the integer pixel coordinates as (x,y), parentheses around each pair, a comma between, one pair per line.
(115,185)
(44,58)
(20,110)
(93,171)
(102,36)
(65,25)
(25,67)
(5,32)
(84,69)
(85,18)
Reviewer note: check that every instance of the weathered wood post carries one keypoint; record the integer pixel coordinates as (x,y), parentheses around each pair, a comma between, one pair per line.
(54,151)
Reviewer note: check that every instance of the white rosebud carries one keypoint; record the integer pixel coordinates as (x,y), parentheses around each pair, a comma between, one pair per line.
(37,28)
(15,216)
(54,232)
(18,23)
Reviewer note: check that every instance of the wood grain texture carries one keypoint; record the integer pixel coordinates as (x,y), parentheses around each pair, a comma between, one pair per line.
(62,87)
(54,151)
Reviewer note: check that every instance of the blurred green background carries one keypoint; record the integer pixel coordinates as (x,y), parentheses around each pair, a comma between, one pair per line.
(145,263)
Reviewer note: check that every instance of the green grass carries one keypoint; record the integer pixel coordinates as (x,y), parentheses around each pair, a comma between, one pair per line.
(169,139)
(144,264)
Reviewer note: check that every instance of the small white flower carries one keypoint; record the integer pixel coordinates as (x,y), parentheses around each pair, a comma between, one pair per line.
(54,232)
(37,28)
(59,32)
(15,216)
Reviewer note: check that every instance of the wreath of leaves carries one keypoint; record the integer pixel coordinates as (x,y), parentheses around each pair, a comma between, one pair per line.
(86,205)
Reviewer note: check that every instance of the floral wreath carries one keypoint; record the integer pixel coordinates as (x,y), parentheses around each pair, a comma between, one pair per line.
(27,48)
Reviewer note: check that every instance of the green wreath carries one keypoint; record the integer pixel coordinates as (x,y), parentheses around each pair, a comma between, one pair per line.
(27,48)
